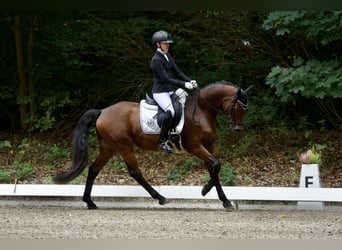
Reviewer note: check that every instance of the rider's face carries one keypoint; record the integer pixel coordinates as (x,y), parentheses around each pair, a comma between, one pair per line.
(164,46)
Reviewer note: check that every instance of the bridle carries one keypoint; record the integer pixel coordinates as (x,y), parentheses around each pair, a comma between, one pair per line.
(229,112)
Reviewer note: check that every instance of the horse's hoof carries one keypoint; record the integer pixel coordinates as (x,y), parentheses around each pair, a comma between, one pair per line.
(91,205)
(205,190)
(228,206)
(163,201)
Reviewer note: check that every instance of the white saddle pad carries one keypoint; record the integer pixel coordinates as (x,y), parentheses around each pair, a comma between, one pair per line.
(148,118)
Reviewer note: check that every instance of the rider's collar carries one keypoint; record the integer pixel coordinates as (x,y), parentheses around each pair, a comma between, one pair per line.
(163,52)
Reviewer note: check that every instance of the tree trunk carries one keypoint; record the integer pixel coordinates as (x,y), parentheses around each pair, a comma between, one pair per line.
(21,73)
(31,79)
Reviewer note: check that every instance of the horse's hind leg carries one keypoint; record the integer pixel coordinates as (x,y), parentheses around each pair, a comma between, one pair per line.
(94,170)
(135,172)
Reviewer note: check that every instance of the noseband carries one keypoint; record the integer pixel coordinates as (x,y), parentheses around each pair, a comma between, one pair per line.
(230,111)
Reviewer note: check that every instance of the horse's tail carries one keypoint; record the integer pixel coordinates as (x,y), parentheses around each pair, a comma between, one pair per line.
(79,146)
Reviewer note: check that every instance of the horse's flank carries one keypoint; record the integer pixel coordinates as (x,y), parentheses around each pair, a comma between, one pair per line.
(120,122)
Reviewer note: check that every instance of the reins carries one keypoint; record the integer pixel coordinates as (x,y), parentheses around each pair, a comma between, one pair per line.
(195,107)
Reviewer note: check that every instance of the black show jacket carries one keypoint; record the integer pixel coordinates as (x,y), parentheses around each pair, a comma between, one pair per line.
(166,74)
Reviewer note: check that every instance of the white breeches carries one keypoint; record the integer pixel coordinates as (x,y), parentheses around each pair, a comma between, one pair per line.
(164,101)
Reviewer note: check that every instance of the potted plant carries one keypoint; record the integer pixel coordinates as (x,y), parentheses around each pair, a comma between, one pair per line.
(312,156)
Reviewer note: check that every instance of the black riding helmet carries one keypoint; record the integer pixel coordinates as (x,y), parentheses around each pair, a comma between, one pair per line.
(161,36)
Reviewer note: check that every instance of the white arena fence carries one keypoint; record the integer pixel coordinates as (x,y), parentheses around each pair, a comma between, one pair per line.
(234,193)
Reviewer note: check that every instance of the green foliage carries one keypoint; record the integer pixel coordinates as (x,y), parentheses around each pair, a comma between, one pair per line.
(280,20)
(317,26)
(227,175)
(311,79)
(181,170)
(23,170)
(315,71)
(24,159)
(265,110)
(119,165)
(54,156)
(5,144)
(174,175)
(5,177)
(244,144)
(51,106)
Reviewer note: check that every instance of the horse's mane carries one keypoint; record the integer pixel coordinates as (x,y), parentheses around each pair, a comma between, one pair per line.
(242,94)
(224,82)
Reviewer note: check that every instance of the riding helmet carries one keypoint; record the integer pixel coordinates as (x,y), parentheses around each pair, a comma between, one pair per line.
(161,36)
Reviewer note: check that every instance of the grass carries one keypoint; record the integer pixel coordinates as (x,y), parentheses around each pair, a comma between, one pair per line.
(178,171)
(5,177)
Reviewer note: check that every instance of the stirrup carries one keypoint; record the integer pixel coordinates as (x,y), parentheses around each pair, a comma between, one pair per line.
(165,147)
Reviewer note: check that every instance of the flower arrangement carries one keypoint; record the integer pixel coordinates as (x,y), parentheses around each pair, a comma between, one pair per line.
(312,156)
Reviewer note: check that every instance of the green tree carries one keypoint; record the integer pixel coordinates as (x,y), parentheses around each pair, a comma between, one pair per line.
(23,27)
(311,65)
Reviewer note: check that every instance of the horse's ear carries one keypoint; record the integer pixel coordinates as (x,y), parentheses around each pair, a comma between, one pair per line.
(237,95)
(250,86)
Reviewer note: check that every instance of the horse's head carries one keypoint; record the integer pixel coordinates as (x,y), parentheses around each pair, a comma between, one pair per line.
(237,108)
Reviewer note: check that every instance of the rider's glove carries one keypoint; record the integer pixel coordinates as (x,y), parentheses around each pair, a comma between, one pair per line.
(194,83)
(188,85)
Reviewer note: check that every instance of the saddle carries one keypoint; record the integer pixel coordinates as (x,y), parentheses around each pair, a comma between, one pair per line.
(152,116)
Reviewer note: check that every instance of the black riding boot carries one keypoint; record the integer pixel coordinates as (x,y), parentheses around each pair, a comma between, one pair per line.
(163,144)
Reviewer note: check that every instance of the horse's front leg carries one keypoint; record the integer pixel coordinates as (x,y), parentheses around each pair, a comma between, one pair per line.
(214,168)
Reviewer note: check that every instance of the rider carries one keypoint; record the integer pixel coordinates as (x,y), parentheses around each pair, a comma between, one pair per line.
(164,71)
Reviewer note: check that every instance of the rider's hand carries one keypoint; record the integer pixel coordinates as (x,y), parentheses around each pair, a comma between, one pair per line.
(188,85)
(194,83)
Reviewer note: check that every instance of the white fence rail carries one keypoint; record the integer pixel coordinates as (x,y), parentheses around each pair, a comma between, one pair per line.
(178,192)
